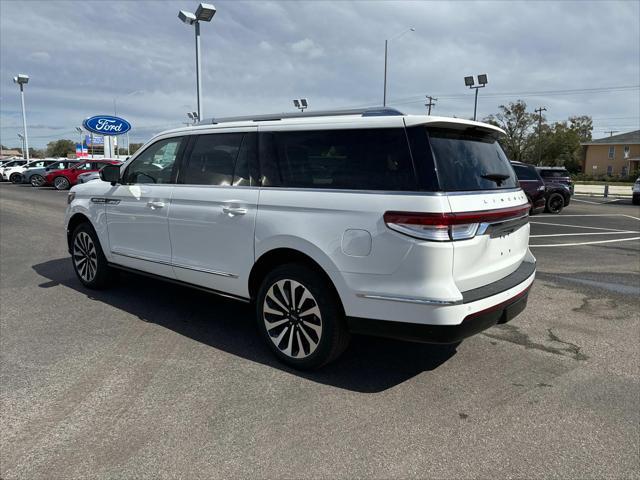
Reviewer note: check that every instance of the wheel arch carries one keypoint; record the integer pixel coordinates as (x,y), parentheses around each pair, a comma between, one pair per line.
(75,220)
(281,256)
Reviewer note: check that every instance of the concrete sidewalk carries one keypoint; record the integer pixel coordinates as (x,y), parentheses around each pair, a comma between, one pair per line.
(598,190)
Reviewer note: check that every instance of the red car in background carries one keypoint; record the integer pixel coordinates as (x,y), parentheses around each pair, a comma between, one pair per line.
(65,179)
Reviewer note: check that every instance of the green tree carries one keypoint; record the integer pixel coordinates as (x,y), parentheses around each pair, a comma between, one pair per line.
(518,125)
(61,148)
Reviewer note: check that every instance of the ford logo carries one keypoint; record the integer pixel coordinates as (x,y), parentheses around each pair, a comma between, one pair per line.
(107,125)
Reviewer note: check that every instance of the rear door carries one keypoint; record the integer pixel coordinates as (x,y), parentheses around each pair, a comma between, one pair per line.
(485,197)
(213,211)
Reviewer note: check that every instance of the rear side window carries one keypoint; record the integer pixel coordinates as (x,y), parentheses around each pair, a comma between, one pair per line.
(371,159)
(470,160)
(525,173)
(220,159)
(554,173)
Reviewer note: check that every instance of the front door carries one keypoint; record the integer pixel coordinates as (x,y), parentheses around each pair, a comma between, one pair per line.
(213,211)
(137,209)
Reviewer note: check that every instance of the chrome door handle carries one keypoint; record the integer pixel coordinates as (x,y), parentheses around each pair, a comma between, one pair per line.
(234,210)
(154,205)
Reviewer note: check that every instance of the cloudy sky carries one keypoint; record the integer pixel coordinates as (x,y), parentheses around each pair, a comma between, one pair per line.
(572,57)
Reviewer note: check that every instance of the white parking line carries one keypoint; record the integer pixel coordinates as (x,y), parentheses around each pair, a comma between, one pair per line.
(584,243)
(577,226)
(580,234)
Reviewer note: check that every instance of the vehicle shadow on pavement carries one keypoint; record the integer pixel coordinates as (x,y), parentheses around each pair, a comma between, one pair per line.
(369,365)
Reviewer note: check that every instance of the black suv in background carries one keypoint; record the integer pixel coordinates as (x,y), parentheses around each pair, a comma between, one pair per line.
(559,187)
(531,182)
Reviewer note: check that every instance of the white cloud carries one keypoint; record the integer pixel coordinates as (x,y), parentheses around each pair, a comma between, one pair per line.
(307,47)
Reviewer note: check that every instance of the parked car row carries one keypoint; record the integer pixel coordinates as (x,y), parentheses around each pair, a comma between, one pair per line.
(61,173)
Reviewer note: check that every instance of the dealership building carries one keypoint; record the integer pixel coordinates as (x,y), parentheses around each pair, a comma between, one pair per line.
(615,156)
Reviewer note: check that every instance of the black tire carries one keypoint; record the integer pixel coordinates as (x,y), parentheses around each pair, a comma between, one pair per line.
(15,178)
(61,183)
(555,203)
(328,330)
(36,180)
(88,259)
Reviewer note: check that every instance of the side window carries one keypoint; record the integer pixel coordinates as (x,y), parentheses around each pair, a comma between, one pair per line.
(83,166)
(525,173)
(372,159)
(156,164)
(612,151)
(246,159)
(213,160)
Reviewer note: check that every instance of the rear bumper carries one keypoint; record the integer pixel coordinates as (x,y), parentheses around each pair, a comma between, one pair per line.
(495,303)
(415,332)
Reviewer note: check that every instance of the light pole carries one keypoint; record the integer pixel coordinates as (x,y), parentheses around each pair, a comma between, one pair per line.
(204,13)
(482,80)
(79,130)
(22,80)
(386,49)
(301,104)
(21,137)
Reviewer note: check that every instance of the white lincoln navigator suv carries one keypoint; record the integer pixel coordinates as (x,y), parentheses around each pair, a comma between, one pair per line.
(331,223)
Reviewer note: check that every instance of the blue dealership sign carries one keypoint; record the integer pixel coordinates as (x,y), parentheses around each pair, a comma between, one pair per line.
(107,125)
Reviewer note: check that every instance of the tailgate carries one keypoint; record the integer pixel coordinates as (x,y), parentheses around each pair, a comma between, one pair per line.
(500,245)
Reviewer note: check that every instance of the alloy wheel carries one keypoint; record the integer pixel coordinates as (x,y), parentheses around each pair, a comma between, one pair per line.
(292,318)
(85,257)
(556,202)
(61,183)
(37,180)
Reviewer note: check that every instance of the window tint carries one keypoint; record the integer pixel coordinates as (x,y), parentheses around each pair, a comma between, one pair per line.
(525,173)
(82,166)
(554,173)
(470,160)
(213,160)
(373,159)
(156,164)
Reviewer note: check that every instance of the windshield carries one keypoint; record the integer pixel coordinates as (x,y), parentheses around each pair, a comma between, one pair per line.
(470,160)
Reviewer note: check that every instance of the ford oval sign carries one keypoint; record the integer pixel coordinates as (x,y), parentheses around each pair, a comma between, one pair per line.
(107,125)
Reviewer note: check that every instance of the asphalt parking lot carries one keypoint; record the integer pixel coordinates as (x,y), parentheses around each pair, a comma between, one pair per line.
(151,380)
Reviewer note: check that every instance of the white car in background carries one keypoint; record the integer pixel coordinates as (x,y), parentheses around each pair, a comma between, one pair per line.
(14,174)
(10,166)
(635,199)
(329,223)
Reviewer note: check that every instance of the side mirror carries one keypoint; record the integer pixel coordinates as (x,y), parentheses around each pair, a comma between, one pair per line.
(110,173)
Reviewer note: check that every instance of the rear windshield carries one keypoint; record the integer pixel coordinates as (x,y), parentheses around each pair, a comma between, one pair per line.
(470,160)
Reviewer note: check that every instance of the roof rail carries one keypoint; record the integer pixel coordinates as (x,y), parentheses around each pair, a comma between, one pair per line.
(365,112)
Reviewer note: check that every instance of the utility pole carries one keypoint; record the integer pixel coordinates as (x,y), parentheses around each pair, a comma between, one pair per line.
(430,104)
(539,111)
(611,132)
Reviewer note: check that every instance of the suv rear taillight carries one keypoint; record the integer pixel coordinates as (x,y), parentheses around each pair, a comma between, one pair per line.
(443,227)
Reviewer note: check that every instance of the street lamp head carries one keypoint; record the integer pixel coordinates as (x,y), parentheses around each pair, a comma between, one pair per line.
(195,115)
(296,103)
(187,17)
(412,29)
(303,101)
(21,79)
(78,129)
(482,79)
(468,81)
(190,115)
(205,12)
(20,136)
